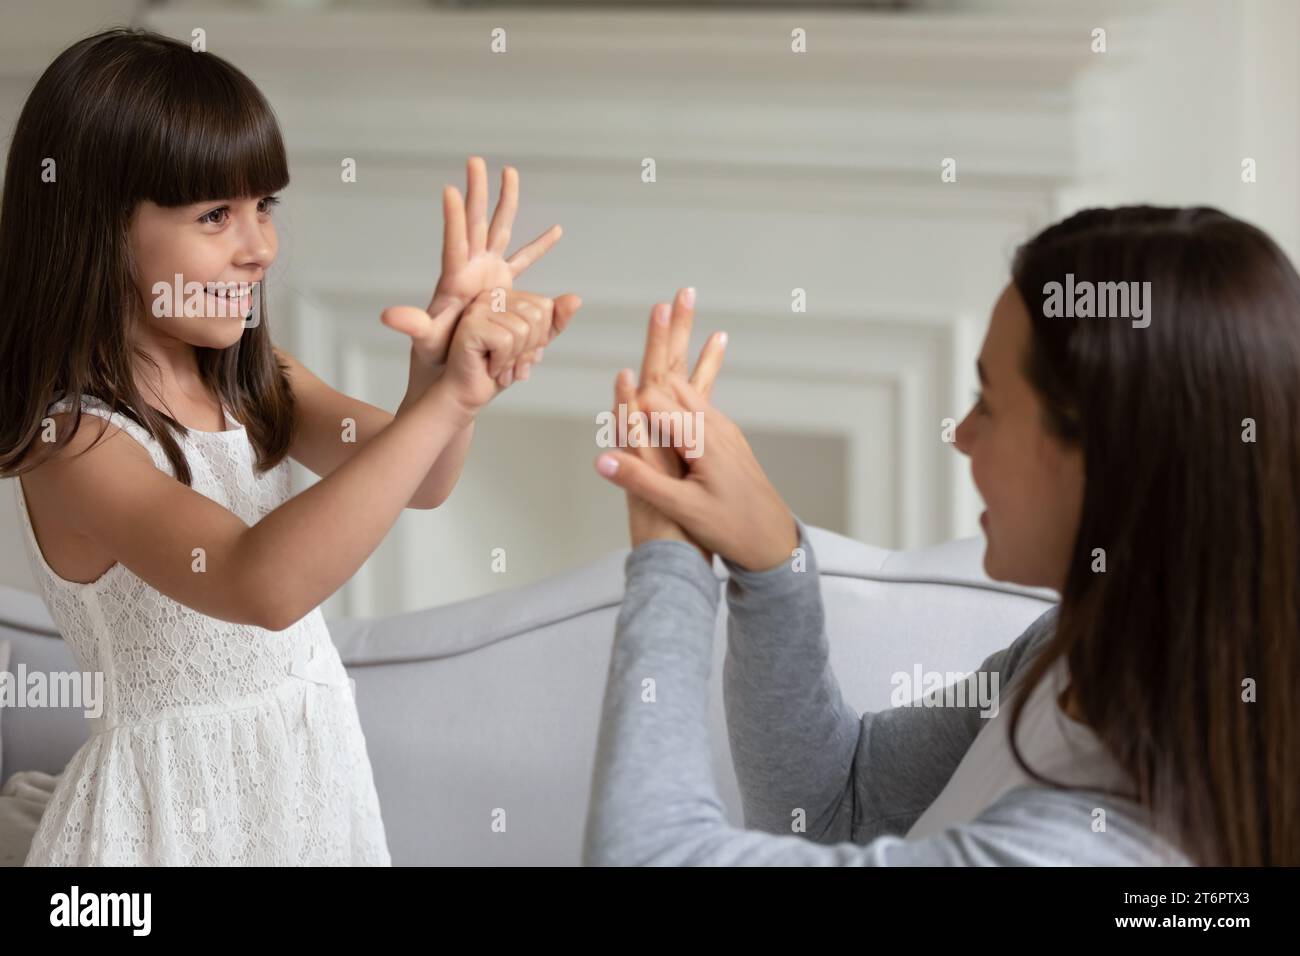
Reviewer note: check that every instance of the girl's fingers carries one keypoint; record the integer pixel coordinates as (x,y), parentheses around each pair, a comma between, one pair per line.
(519,329)
(708,364)
(565,307)
(455,245)
(429,335)
(537,311)
(530,253)
(476,197)
(679,338)
(654,361)
(524,364)
(407,319)
(503,219)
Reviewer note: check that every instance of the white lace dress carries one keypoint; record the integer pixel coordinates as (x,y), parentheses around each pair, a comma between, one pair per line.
(219,744)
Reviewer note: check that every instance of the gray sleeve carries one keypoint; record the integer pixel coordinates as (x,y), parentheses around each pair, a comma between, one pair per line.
(653,797)
(799,750)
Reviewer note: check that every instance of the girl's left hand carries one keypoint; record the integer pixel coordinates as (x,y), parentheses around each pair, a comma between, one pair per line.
(473,261)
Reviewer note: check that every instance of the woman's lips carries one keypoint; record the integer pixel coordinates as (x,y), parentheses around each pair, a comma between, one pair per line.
(984,520)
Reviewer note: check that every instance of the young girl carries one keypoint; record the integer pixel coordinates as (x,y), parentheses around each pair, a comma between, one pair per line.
(1160,691)
(152,438)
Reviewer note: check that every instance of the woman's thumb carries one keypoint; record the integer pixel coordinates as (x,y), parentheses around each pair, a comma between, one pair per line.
(632,474)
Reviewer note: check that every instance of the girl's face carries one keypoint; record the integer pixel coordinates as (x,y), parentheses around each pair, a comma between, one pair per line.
(221,245)
(1031,482)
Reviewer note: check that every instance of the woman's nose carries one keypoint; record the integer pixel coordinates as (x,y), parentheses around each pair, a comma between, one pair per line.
(961,438)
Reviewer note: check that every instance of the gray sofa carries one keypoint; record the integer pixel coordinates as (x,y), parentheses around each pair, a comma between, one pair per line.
(494,703)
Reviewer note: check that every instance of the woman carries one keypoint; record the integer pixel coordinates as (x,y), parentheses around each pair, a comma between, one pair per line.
(1147,470)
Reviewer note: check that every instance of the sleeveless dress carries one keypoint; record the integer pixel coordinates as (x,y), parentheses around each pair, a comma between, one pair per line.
(218,744)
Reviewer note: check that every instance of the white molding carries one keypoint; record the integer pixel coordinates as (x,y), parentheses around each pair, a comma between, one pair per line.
(843,373)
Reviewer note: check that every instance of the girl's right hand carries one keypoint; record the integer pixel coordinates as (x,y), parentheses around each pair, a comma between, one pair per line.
(486,344)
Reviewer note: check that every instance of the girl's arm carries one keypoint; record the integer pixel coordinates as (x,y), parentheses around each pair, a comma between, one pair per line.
(272,574)
(322,442)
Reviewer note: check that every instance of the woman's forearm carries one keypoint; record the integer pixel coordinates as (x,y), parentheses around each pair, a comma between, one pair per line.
(653,762)
(793,738)
(306,549)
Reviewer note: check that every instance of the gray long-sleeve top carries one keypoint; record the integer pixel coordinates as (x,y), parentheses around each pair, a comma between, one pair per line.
(795,743)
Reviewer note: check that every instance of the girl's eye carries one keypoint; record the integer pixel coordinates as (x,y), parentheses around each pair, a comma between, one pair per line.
(264,206)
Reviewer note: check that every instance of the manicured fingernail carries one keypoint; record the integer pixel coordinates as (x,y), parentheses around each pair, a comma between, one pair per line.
(688,297)
(607,465)
(537,357)
(524,371)
(509,376)
(722,338)
(661,313)
(625,378)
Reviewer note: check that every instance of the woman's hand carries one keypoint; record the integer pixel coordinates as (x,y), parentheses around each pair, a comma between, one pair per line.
(665,358)
(494,331)
(720,499)
(473,262)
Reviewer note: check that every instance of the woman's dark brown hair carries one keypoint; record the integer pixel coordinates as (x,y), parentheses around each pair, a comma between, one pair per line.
(125,116)
(1184,655)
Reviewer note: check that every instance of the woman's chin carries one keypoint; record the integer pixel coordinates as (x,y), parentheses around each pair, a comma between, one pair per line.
(990,562)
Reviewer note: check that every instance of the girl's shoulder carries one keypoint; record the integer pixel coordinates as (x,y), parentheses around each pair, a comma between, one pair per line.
(99,422)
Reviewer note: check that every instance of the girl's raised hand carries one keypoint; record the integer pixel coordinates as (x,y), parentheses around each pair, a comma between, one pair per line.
(473,261)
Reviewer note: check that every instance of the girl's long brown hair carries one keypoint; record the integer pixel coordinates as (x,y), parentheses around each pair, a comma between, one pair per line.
(1200,598)
(125,115)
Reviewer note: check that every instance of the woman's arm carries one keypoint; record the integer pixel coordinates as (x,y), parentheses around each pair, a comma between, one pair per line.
(653,799)
(800,752)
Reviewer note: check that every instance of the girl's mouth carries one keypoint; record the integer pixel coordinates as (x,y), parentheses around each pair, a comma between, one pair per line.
(233,299)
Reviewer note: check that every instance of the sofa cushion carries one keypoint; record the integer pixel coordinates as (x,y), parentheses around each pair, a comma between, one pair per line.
(493,704)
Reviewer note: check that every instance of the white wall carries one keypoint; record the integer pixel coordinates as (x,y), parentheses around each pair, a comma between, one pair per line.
(775,171)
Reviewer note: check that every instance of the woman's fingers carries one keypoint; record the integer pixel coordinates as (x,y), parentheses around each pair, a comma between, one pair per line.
(498,237)
(672,496)
(679,336)
(476,198)
(654,361)
(709,363)
(530,253)
(691,399)
(625,397)
(455,244)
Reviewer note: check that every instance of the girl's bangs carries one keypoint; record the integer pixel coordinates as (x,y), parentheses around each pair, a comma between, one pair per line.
(218,139)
